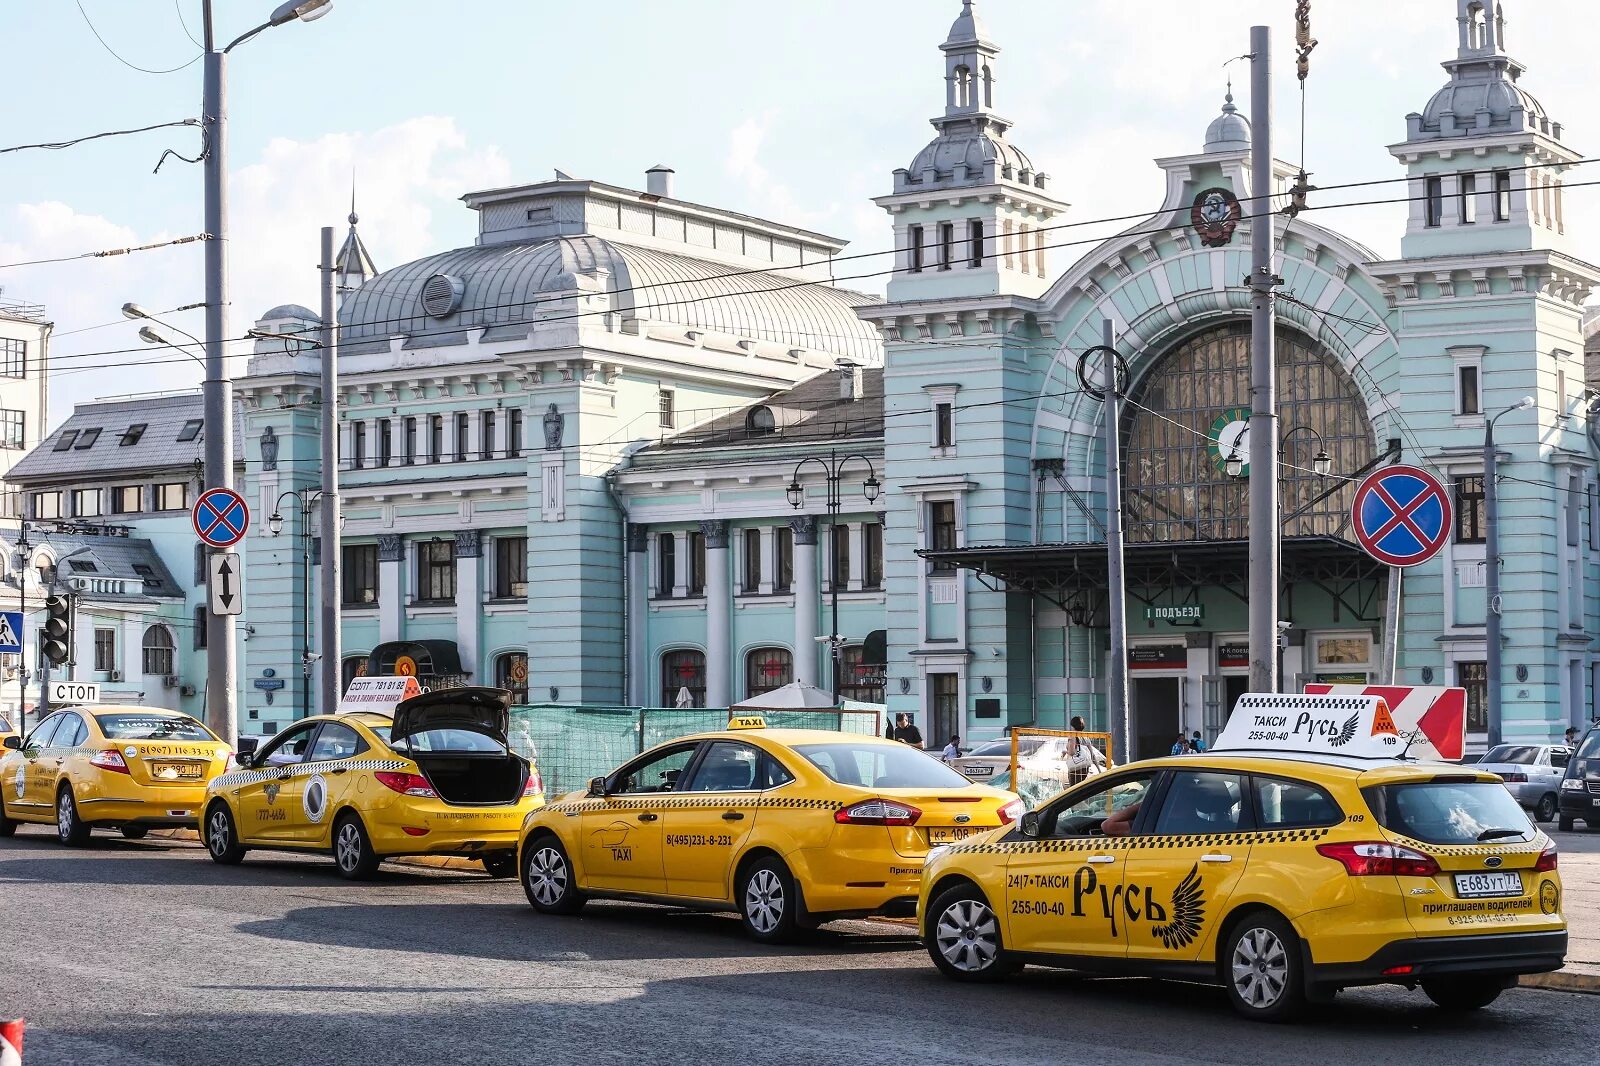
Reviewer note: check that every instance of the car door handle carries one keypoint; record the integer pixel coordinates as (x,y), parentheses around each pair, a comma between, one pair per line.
(340,770)
(732,816)
(1216,858)
(647,817)
(1102,858)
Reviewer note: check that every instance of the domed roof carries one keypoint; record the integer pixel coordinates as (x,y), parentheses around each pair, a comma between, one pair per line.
(1498,96)
(508,285)
(974,144)
(290,311)
(1229,131)
(966,27)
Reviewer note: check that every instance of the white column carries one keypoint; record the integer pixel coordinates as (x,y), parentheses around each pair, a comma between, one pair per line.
(719,615)
(638,614)
(805,599)
(469,600)
(474,436)
(680,567)
(391,587)
(769,560)
(858,558)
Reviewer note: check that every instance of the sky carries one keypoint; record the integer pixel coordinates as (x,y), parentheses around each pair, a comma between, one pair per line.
(797,111)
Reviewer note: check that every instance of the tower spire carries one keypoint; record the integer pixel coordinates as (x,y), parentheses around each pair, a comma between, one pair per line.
(353,267)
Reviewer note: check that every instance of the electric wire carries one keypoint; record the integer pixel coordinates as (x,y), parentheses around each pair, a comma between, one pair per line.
(58,145)
(143,70)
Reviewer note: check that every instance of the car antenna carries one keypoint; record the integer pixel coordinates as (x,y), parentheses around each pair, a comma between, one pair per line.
(1411,738)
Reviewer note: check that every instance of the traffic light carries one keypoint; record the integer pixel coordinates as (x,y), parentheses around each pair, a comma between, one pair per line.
(57,627)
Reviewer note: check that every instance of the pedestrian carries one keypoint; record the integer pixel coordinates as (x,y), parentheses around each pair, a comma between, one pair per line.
(1197,742)
(1571,738)
(1182,746)
(908,733)
(952,750)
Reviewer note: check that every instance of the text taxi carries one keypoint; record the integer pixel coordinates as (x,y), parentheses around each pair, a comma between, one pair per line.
(789,827)
(105,766)
(1301,855)
(437,778)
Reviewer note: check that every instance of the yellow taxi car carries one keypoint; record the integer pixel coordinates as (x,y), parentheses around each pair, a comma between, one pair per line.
(6,729)
(1298,857)
(436,778)
(106,766)
(788,827)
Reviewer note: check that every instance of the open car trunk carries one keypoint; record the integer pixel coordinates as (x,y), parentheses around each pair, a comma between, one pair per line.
(466,778)
(457,736)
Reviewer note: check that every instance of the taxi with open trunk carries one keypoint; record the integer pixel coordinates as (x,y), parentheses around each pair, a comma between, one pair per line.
(437,777)
(787,827)
(1303,854)
(105,766)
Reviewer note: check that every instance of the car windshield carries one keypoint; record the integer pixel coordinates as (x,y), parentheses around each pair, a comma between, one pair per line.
(1449,812)
(1590,748)
(152,727)
(1526,754)
(881,766)
(463,740)
(5,725)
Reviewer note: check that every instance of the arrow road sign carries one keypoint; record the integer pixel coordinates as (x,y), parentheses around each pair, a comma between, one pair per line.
(11,631)
(227,584)
(1401,515)
(220,517)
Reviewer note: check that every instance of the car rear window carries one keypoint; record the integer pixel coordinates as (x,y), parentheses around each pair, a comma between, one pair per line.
(1449,812)
(1526,754)
(881,766)
(442,740)
(152,727)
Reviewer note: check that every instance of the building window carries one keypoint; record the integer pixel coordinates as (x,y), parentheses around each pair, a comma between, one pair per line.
(1433,201)
(131,435)
(942,532)
(511,568)
(200,628)
(13,357)
(683,671)
(767,669)
(409,431)
(666,563)
(975,243)
(945,709)
(664,405)
(1502,195)
(947,241)
(47,505)
(87,438)
(435,438)
(838,557)
(872,547)
(514,426)
(859,680)
(385,446)
(1038,250)
(105,650)
(752,561)
(1469,509)
(1469,399)
(436,571)
(12,429)
(463,436)
(944,425)
(158,651)
(1574,513)
(127,499)
(65,441)
(86,503)
(1474,677)
(358,445)
(172,496)
(486,435)
(697,563)
(358,574)
(783,559)
(1562,409)
(191,430)
(914,249)
(511,673)
(1469,199)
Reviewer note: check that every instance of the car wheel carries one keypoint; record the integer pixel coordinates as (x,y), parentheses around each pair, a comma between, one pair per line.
(1262,970)
(7,826)
(1547,808)
(963,937)
(352,849)
(222,839)
(70,829)
(1463,993)
(135,832)
(547,877)
(1565,822)
(769,903)
(500,863)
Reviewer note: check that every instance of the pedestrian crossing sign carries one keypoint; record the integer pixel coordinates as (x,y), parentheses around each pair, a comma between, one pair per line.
(11,631)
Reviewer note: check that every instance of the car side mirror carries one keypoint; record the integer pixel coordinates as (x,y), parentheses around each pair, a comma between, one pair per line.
(597,787)
(13,743)
(1029,826)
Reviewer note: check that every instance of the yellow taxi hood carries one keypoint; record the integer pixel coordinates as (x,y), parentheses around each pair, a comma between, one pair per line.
(478,710)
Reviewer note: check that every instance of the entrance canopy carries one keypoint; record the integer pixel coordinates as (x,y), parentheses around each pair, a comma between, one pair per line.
(1074,576)
(415,658)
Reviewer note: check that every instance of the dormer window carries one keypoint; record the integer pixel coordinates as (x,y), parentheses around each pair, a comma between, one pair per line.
(760,422)
(190,430)
(131,435)
(87,438)
(65,441)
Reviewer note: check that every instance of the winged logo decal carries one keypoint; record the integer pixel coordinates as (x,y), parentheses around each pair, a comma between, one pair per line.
(1188,912)
(1347,732)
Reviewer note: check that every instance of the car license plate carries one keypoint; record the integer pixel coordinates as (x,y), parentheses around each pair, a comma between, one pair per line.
(1474,886)
(1596,803)
(949,835)
(985,771)
(176,771)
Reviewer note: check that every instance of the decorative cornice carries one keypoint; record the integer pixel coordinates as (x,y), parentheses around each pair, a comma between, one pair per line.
(805,528)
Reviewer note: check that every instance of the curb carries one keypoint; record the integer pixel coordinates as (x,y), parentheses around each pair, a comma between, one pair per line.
(437,862)
(1564,981)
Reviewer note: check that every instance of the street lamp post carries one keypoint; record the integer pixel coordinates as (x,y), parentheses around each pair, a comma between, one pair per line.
(308,499)
(833,467)
(1491,569)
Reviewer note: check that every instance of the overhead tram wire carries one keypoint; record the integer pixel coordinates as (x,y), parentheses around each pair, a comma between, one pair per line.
(58,145)
(134,66)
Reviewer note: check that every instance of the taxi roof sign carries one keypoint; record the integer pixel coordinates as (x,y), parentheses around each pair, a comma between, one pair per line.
(747,721)
(1359,727)
(380,694)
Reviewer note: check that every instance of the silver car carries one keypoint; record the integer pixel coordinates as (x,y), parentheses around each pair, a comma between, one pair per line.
(1532,773)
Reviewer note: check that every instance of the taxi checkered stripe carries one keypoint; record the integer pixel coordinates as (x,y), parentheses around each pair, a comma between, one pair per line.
(1475,851)
(1139,843)
(245,777)
(648,800)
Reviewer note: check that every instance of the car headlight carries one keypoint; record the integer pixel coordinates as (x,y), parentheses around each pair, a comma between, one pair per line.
(1571,784)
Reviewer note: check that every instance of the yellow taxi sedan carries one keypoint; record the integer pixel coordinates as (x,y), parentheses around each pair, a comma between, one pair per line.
(436,778)
(788,827)
(1283,876)
(105,767)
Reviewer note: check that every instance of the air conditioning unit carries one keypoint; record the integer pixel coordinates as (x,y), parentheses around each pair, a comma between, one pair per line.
(116,675)
(186,690)
(170,681)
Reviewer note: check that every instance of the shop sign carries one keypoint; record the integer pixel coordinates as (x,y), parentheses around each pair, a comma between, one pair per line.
(1233,655)
(1175,612)
(1158,657)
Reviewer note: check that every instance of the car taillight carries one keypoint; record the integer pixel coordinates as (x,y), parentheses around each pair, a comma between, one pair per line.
(1514,777)
(535,785)
(406,784)
(877,812)
(1375,859)
(1546,863)
(110,759)
(1012,811)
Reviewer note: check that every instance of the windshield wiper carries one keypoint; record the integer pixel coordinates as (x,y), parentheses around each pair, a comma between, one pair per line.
(1496,834)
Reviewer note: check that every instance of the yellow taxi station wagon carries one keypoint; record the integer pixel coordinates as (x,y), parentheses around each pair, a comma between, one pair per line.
(788,827)
(1301,855)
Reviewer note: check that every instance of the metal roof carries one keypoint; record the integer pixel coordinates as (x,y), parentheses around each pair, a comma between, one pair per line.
(811,412)
(112,570)
(157,447)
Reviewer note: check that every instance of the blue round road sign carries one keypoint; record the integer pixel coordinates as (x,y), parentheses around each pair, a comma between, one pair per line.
(1401,515)
(220,517)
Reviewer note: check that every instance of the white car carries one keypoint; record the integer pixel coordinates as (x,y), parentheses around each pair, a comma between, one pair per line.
(1058,761)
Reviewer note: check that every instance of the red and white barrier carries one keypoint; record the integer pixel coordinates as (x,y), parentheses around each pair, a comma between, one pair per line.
(11,1043)
(1437,712)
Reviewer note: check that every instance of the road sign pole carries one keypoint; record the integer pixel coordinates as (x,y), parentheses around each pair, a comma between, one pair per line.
(1265,576)
(1491,583)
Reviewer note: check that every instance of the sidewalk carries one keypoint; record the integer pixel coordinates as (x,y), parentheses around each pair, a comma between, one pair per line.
(1580,880)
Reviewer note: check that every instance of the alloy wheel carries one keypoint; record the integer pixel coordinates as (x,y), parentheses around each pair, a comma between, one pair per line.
(218,832)
(1260,968)
(547,876)
(348,846)
(763,900)
(968,936)
(65,815)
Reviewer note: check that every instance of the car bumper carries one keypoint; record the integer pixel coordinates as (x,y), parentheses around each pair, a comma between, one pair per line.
(432,828)
(1584,805)
(172,808)
(1496,954)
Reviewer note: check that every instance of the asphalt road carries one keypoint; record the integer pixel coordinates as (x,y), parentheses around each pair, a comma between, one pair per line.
(143,953)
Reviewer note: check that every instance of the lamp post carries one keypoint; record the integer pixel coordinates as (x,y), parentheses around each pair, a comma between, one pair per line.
(308,498)
(833,466)
(1491,569)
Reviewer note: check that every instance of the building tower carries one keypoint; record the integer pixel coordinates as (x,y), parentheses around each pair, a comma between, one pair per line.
(352,267)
